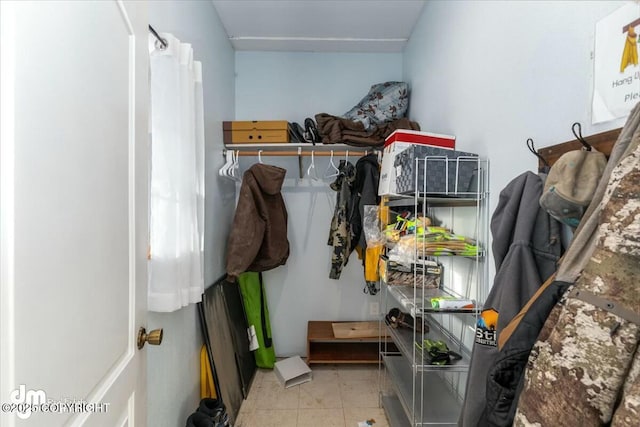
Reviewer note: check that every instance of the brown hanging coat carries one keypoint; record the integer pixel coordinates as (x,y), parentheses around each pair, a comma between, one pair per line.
(258,239)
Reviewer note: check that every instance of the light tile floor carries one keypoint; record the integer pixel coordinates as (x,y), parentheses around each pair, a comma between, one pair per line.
(338,396)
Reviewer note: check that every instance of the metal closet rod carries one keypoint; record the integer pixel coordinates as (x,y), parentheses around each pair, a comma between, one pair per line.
(300,153)
(303,153)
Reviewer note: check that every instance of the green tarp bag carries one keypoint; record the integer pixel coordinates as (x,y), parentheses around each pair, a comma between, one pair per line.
(254,300)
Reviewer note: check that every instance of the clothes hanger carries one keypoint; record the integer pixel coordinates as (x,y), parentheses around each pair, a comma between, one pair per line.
(229,165)
(532,148)
(235,165)
(232,166)
(260,156)
(346,156)
(331,165)
(221,171)
(578,135)
(229,158)
(312,168)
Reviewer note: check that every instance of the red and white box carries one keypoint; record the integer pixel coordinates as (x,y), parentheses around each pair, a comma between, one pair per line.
(400,140)
(419,137)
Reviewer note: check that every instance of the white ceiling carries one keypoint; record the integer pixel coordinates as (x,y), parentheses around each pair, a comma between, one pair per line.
(319,25)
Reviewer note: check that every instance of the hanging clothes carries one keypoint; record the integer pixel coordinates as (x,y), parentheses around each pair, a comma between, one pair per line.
(340,232)
(526,248)
(258,239)
(584,369)
(504,377)
(517,339)
(365,193)
(176,206)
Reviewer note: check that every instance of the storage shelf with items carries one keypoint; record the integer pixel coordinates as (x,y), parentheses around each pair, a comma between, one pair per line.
(434,278)
(406,343)
(428,397)
(427,301)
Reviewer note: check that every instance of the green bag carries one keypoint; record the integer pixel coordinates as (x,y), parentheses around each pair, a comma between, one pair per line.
(254,300)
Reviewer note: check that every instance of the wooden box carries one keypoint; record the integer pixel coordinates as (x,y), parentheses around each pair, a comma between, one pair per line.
(324,347)
(255,132)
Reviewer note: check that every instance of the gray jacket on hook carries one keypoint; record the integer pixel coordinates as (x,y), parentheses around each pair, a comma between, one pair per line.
(526,248)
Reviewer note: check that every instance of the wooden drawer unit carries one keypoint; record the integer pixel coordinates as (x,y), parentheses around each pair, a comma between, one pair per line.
(324,347)
(255,132)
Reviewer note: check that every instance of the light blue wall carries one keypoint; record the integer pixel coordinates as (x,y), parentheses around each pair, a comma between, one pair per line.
(173,378)
(495,73)
(292,86)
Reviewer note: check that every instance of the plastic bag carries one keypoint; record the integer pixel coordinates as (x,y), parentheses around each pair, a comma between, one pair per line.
(371,226)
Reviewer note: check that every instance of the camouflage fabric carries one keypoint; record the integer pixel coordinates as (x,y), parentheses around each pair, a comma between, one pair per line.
(577,370)
(628,411)
(340,234)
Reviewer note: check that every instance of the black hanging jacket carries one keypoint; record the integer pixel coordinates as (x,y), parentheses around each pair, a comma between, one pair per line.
(365,192)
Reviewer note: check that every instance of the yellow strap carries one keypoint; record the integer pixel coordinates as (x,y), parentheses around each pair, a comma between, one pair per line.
(203,372)
(207,387)
(371,273)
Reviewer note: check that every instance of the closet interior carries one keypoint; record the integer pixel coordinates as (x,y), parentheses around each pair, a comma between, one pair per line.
(405,290)
(337,213)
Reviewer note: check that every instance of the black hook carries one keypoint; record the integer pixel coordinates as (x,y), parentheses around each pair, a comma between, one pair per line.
(579,137)
(532,148)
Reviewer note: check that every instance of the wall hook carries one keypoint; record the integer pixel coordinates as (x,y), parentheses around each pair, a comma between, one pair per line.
(532,148)
(579,137)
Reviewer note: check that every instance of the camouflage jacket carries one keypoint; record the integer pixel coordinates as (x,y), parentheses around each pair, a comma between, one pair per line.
(340,234)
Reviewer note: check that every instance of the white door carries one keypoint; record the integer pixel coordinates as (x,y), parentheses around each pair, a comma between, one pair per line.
(73,218)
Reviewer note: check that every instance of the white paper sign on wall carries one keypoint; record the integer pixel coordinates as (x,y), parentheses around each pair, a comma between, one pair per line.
(616,69)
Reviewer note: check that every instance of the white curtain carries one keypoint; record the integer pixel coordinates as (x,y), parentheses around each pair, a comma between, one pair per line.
(176,276)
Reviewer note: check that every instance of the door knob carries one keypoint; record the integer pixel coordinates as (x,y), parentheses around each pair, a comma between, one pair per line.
(154,337)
